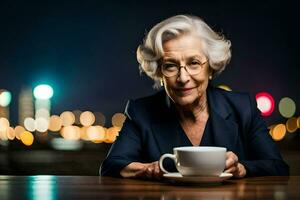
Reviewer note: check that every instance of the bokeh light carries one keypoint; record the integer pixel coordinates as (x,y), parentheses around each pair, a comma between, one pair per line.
(83,133)
(298,122)
(71,132)
(111,134)
(55,123)
(87,118)
(11,133)
(265,103)
(287,107)
(96,133)
(27,138)
(67,118)
(18,131)
(42,113)
(118,119)
(41,124)
(29,124)
(291,125)
(62,144)
(4,124)
(5,98)
(278,132)
(43,91)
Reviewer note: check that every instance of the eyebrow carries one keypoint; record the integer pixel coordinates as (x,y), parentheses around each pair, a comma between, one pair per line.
(176,60)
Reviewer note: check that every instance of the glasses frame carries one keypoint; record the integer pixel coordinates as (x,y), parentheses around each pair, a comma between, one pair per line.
(179,68)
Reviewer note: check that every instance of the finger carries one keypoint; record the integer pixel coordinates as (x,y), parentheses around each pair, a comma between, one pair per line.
(231,160)
(141,173)
(157,174)
(240,172)
(149,172)
(232,170)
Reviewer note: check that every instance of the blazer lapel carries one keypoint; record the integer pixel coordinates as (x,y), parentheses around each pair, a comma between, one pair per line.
(224,127)
(166,128)
(166,135)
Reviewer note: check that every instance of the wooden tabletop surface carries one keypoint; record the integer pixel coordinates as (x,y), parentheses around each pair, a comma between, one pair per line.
(95,187)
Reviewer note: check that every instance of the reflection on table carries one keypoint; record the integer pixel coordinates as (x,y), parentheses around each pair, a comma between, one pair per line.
(94,187)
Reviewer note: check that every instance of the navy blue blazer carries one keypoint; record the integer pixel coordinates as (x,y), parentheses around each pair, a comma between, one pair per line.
(152,127)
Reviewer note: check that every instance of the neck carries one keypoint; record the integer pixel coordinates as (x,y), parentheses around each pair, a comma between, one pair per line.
(195,111)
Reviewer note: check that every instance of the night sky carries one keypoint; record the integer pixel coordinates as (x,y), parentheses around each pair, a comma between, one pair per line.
(86,49)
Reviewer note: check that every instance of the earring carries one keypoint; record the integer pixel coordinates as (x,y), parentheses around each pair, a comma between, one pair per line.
(161,82)
(210,77)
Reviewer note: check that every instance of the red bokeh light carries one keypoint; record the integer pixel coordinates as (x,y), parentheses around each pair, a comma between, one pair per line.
(265,103)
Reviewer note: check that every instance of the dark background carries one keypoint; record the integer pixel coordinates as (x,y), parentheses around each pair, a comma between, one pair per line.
(86,51)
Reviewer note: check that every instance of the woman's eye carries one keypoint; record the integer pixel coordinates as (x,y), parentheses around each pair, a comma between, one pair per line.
(170,66)
(195,63)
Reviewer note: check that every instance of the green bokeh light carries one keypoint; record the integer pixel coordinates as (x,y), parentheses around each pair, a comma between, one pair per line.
(287,107)
(43,91)
(5,98)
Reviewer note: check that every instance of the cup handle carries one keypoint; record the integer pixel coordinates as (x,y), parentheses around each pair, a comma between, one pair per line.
(167,155)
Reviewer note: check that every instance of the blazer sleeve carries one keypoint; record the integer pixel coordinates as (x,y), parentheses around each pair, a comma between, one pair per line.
(263,155)
(126,149)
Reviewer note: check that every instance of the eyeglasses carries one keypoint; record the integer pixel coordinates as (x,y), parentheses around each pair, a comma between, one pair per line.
(170,69)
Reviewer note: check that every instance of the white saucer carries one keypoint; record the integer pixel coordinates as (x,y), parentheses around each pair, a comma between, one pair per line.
(177,177)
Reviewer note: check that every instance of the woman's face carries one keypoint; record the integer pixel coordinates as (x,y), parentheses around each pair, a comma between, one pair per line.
(185,89)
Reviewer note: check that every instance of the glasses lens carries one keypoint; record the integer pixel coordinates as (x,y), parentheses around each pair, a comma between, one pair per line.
(169,69)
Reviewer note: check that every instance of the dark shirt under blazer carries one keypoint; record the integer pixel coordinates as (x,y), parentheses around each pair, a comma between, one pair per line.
(152,129)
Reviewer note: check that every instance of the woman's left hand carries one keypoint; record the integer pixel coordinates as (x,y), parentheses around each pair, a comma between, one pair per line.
(233,166)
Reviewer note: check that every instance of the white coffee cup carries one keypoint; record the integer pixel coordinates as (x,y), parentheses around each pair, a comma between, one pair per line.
(197,161)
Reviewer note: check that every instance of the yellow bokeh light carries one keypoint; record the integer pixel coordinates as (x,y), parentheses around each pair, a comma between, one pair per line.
(87,118)
(71,132)
(4,124)
(18,131)
(11,133)
(96,133)
(271,128)
(3,135)
(111,134)
(224,87)
(55,123)
(118,119)
(27,138)
(278,132)
(67,118)
(291,125)
(83,133)
(298,122)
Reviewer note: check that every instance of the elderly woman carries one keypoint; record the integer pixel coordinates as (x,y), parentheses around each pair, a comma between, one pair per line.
(183,54)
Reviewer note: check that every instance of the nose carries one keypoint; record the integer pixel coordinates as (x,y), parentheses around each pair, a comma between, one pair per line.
(183,75)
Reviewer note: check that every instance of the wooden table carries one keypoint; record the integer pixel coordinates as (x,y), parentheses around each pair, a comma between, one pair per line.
(94,187)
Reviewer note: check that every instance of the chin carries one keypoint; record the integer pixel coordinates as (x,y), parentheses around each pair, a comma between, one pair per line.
(184,101)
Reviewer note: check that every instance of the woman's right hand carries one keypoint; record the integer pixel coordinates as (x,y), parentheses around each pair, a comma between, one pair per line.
(142,170)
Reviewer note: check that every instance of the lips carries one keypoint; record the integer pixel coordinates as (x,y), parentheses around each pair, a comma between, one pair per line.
(183,91)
